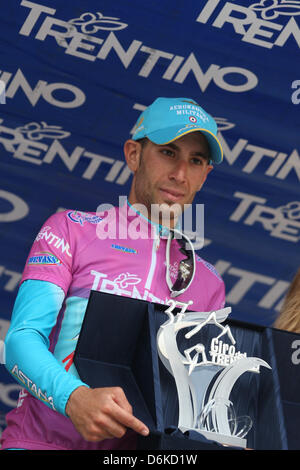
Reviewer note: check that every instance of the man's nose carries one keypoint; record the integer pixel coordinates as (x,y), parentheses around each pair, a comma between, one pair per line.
(179,171)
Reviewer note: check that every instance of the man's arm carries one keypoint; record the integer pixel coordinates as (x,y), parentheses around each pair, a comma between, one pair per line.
(27,356)
(97,413)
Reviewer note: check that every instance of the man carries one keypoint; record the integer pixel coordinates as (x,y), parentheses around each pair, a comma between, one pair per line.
(171,153)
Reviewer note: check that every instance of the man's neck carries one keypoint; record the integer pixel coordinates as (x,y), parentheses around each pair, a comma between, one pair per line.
(161,221)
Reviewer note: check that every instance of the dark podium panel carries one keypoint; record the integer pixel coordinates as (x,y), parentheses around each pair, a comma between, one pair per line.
(117,347)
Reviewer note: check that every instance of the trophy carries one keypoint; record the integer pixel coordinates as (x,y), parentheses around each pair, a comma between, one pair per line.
(205,374)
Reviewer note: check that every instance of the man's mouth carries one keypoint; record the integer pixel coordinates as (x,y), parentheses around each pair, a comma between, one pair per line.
(172,194)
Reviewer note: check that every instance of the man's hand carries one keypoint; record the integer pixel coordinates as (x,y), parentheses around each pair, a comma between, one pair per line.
(102,413)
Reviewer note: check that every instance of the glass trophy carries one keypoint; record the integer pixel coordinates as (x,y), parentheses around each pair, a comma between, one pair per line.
(205,374)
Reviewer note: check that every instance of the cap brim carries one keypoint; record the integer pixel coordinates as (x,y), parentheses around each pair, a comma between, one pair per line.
(165,136)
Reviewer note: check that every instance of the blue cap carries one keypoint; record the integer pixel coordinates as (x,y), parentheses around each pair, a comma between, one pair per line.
(167,119)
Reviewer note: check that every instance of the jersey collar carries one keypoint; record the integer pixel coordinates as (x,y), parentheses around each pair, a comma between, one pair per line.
(161,230)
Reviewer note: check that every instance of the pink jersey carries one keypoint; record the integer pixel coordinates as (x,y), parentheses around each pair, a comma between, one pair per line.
(71,251)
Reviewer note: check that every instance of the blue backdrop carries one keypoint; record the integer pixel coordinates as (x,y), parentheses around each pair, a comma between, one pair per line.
(75,76)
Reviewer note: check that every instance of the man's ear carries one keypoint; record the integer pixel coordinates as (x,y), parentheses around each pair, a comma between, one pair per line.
(132,152)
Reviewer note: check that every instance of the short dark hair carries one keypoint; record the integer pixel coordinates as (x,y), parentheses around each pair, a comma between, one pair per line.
(143,141)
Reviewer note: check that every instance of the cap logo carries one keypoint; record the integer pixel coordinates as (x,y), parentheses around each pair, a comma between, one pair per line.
(186,128)
(192,119)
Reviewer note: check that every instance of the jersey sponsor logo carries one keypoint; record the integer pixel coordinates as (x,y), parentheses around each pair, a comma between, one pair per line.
(44,258)
(124,249)
(41,233)
(50,237)
(126,279)
(124,284)
(81,217)
(31,386)
(209,266)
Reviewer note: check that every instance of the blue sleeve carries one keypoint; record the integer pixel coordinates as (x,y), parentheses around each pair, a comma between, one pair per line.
(27,356)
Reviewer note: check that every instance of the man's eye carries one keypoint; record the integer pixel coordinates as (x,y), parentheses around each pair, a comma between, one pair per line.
(168,152)
(197,161)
